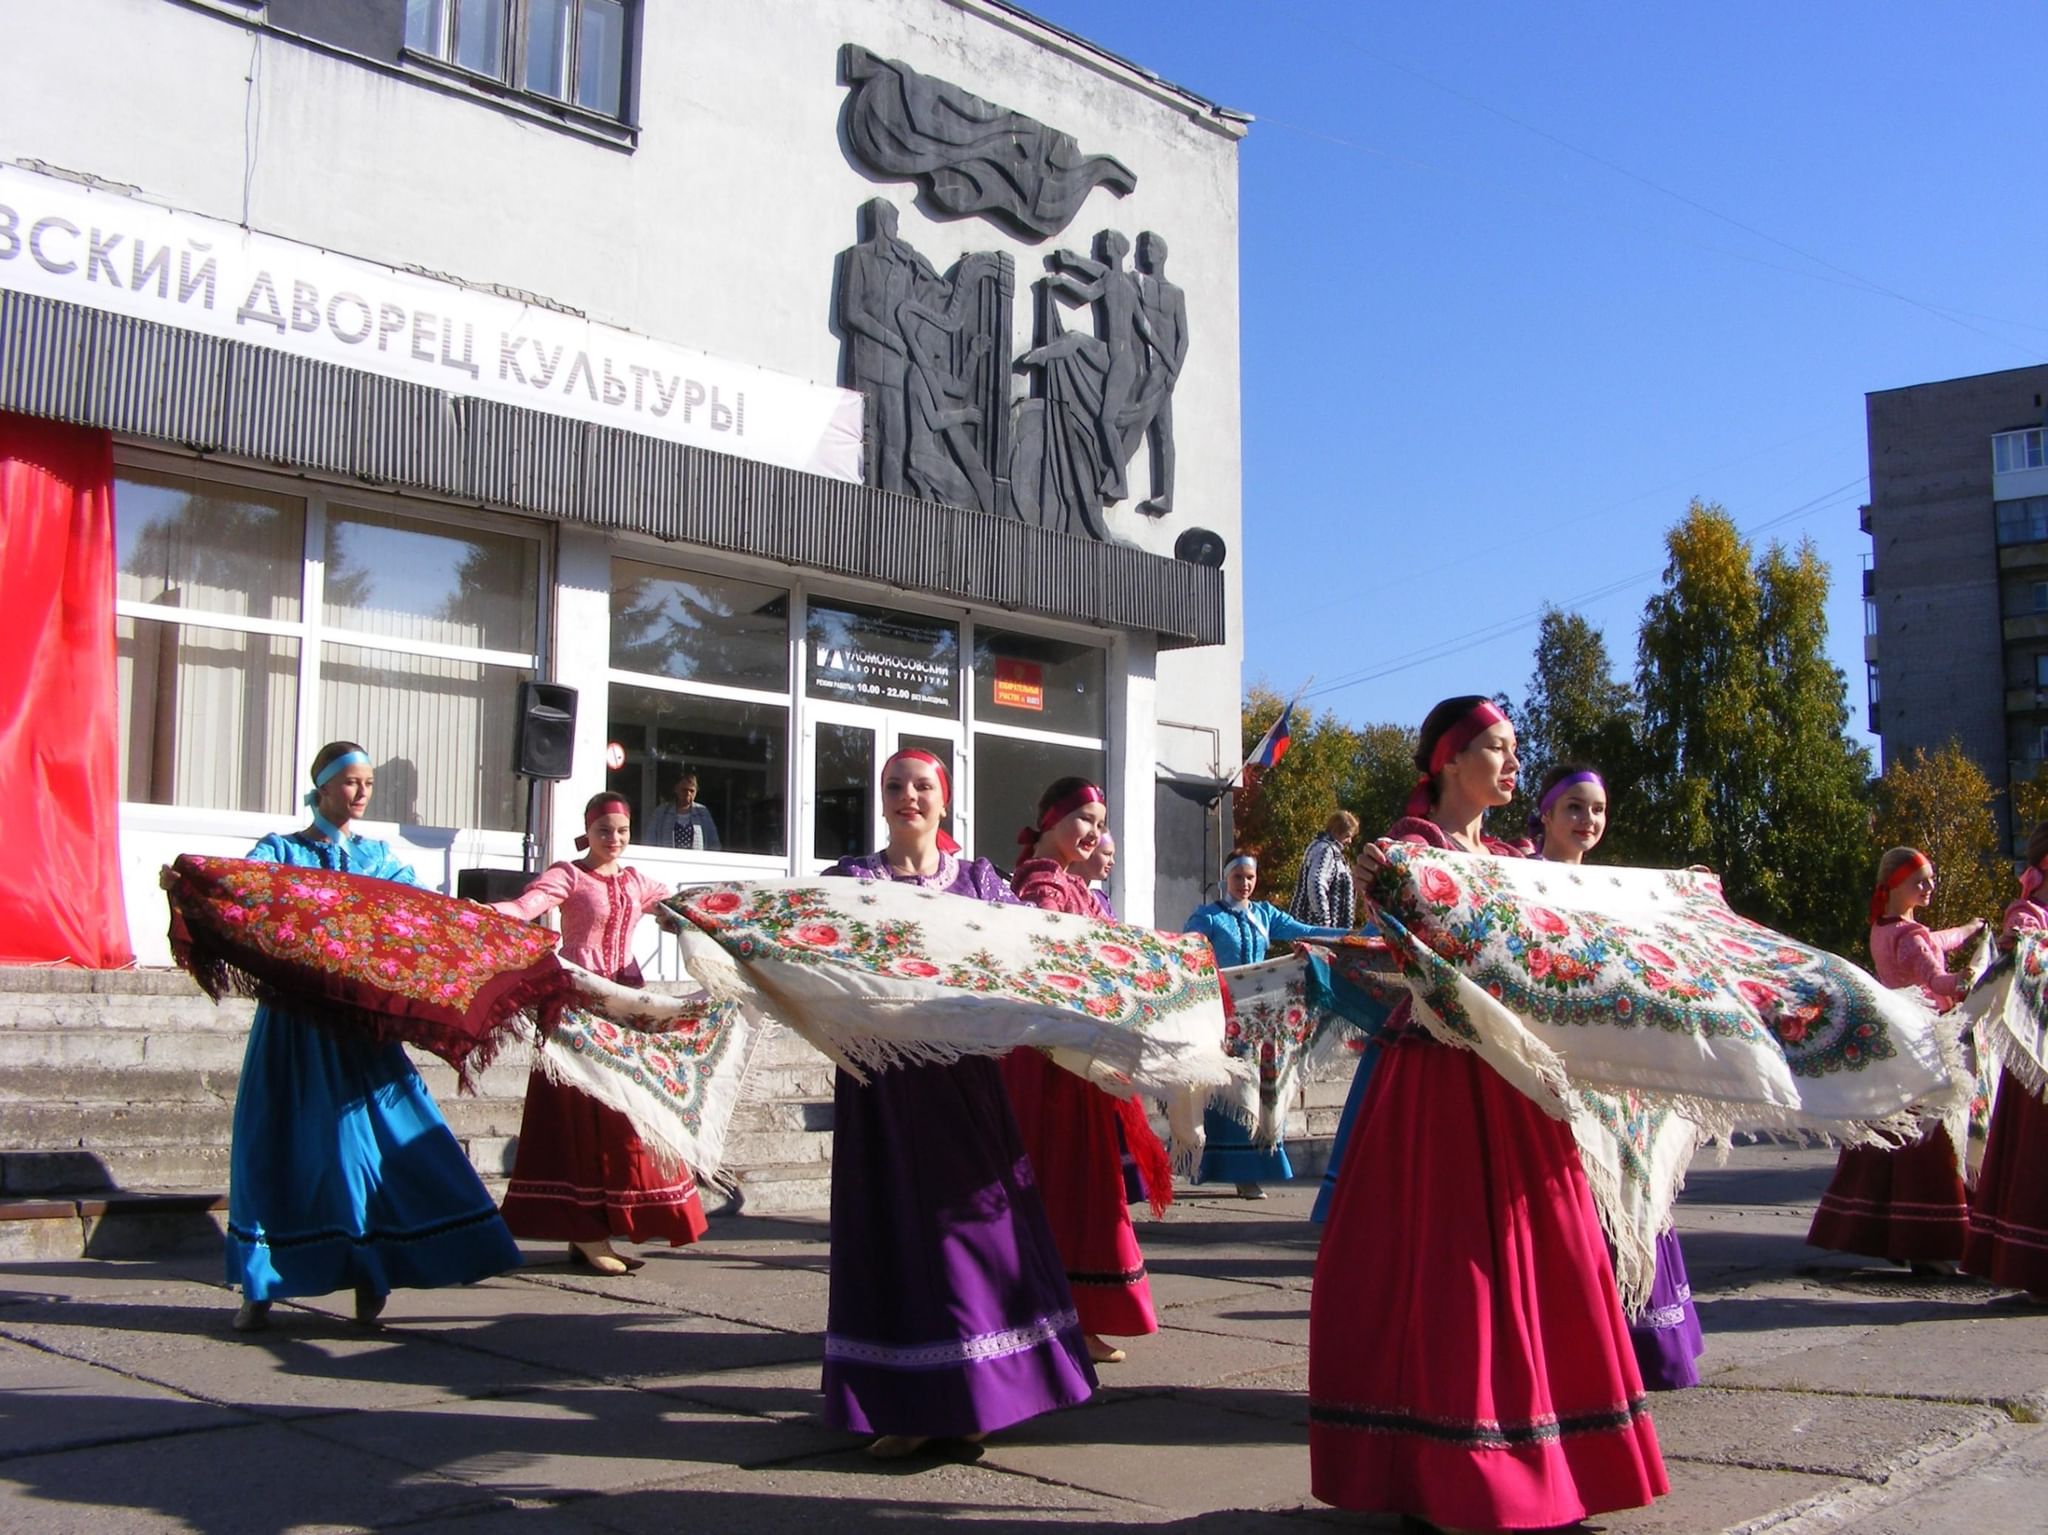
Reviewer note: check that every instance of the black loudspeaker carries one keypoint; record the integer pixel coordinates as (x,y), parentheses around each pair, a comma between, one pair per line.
(489,885)
(1199,546)
(546,741)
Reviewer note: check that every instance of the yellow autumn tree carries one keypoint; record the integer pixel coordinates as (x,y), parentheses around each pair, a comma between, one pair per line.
(1942,804)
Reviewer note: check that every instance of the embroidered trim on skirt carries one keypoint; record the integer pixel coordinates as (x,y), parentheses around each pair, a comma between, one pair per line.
(1068,1127)
(582,1175)
(947,1313)
(1907,1205)
(1468,1358)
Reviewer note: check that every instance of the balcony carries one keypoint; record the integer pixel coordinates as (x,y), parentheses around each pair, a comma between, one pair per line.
(2023,557)
(2028,626)
(2019,464)
(2026,701)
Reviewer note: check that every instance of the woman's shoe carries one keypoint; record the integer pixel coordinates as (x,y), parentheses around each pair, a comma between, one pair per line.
(252,1316)
(599,1258)
(369,1304)
(1250,1191)
(1102,1351)
(897,1446)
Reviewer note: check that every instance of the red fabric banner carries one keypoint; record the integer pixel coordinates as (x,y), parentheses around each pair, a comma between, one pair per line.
(60,737)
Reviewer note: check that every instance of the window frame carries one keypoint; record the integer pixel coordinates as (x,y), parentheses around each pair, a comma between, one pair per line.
(510,78)
(311,629)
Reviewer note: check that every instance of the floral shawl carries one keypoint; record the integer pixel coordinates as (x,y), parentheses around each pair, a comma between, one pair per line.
(2009,1008)
(875,973)
(1636,1004)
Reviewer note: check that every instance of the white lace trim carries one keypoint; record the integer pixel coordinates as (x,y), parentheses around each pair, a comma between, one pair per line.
(924,1356)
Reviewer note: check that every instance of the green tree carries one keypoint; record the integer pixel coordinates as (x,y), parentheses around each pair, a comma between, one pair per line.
(1943,805)
(1577,712)
(1746,766)
(1382,774)
(1279,811)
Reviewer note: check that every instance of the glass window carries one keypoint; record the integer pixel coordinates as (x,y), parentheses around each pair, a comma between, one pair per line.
(2041,671)
(1870,677)
(2023,521)
(427,581)
(601,57)
(547,45)
(426,24)
(1009,775)
(1045,684)
(672,623)
(2040,596)
(440,733)
(479,42)
(187,543)
(843,814)
(737,752)
(208,716)
(876,656)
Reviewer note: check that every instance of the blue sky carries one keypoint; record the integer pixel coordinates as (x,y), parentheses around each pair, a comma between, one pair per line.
(1519,280)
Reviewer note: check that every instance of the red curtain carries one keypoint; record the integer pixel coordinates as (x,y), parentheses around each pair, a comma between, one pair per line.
(60,739)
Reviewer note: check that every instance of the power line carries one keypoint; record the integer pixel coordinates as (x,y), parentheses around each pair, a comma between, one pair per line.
(1473,639)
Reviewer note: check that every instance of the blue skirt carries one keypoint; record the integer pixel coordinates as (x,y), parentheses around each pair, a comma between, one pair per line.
(343,1173)
(1360,1081)
(1231,1156)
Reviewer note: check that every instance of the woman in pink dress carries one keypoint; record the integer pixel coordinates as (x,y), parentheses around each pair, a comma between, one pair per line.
(1907,1204)
(1070,1126)
(1469,1363)
(2008,1237)
(581,1175)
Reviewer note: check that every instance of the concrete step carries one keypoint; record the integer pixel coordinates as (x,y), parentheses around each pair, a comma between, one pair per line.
(784,1190)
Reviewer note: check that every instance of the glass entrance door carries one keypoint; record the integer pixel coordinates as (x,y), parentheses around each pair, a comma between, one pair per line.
(846,747)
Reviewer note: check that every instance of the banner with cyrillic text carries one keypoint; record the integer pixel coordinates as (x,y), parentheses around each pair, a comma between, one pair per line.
(98,248)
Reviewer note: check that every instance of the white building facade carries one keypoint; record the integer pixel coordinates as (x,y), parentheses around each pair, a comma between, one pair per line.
(451,344)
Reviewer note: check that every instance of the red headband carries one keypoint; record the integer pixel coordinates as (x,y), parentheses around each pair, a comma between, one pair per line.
(1058,811)
(610,804)
(918,754)
(1880,898)
(1482,716)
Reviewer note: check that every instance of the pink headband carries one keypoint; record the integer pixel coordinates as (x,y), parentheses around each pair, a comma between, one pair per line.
(1880,898)
(1482,717)
(1058,811)
(918,754)
(611,804)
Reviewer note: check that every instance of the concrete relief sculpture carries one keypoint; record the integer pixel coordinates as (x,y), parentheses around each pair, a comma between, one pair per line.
(1099,396)
(970,155)
(931,356)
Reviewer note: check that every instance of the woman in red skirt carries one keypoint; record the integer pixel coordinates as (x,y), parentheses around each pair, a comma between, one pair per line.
(1906,1203)
(2008,1237)
(1070,1126)
(581,1175)
(1469,1363)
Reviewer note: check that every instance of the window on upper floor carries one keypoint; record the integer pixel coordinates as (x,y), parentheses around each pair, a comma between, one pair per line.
(2024,521)
(573,51)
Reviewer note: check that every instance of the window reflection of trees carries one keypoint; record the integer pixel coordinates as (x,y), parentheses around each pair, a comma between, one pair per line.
(668,625)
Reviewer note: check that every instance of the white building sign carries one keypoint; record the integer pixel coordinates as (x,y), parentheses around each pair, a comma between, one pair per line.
(96,248)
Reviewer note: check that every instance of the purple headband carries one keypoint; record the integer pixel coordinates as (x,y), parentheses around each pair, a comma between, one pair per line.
(1551,797)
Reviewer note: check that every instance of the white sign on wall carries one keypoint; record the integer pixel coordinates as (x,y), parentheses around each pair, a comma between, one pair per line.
(88,246)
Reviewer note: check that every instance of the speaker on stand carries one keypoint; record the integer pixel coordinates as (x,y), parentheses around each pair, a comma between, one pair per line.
(543,746)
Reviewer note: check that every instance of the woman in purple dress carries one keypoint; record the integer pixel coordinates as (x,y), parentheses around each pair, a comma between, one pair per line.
(1570,820)
(949,1314)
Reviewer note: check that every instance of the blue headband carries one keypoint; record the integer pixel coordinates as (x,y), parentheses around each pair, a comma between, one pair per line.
(1231,863)
(333,770)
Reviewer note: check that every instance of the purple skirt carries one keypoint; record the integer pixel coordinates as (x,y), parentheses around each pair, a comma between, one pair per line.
(949,1311)
(1666,1332)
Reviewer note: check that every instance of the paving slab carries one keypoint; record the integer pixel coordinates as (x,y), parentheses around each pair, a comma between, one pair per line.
(306,1363)
(1998,1357)
(1863,1437)
(1706,1500)
(2001,1494)
(851,1491)
(190,1280)
(564,1330)
(789,1392)
(263,1479)
(49,1402)
(573,1438)
(1276,1315)
(1193,1355)
(1178,1461)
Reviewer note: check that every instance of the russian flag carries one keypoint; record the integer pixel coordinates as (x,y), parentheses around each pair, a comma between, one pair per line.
(1274,743)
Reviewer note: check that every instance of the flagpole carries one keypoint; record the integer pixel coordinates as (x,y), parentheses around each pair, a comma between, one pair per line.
(1239,774)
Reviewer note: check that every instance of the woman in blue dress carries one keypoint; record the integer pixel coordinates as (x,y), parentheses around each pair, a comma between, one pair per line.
(342,1173)
(1241,930)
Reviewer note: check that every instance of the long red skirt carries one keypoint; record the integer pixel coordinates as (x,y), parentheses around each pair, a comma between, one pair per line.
(1907,1205)
(1069,1128)
(2008,1240)
(582,1175)
(1469,1362)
